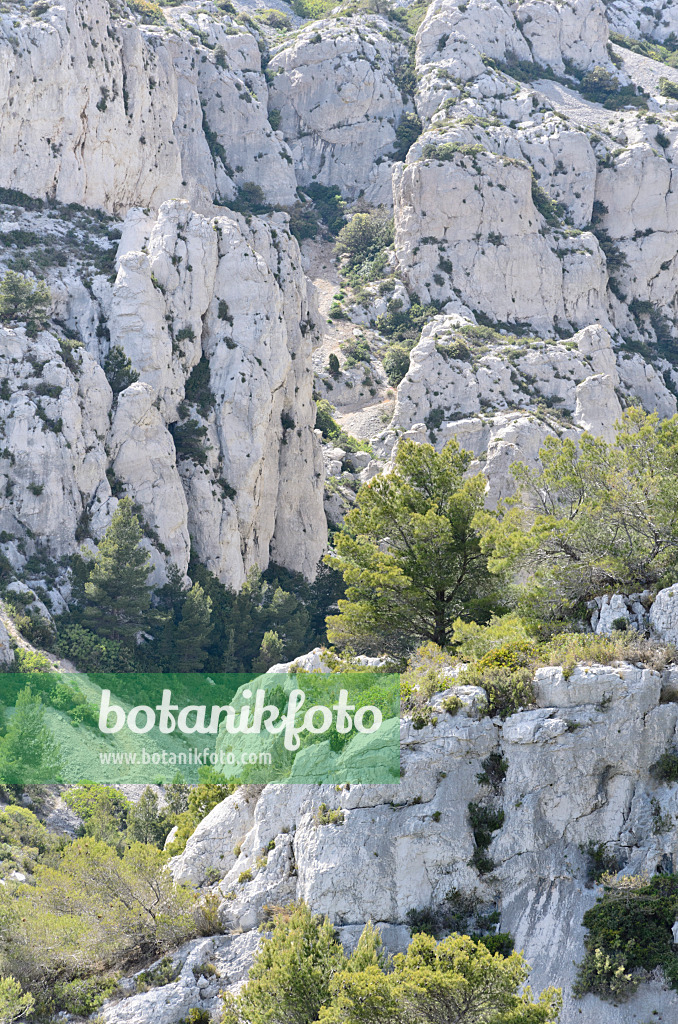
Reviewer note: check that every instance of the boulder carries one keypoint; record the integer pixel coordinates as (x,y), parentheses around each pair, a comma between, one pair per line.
(664,615)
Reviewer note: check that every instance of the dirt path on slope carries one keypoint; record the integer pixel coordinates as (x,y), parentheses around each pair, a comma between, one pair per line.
(357,410)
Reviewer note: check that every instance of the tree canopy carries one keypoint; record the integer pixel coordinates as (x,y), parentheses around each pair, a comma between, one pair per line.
(409,554)
(24,301)
(118,592)
(301,974)
(594,517)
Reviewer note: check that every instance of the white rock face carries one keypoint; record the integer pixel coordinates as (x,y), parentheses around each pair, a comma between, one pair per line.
(53,421)
(565,785)
(236,294)
(609,609)
(458,35)
(479,387)
(125,114)
(339,103)
(206,287)
(144,460)
(636,19)
(664,615)
(230,957)
(467,231)
(6,652)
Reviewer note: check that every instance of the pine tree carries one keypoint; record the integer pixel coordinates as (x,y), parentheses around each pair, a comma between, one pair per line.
(270,653)
(290,978)
(118,593)
(409,553)
(145,823)
(29,752)
(21,301)
(192,632)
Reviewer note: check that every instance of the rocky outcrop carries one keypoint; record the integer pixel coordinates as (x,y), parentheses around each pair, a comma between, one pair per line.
(638,20)
(501,395)
(463,43)
(619,611)
(578,772)
(468,232)
(6,652)
(127,114)
(54,408)
(339,102)
(664,615)
(240,471)
(205,969)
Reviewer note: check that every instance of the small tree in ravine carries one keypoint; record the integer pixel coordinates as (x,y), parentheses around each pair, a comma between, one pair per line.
(118,594)
(409,555)
(29,752)
(290,978)
(192,632)
(24,301)
(594,517)
(118,370)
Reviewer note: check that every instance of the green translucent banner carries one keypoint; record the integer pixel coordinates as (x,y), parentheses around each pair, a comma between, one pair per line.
(156,728)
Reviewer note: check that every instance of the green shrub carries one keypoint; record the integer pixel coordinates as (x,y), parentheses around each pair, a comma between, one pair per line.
(668,88)
(22,301)
(337,312)
(506,690)
(472,641)
(329,204)
(484,821)
(512,655)
(356,350)
(162,974)
(494,771)
(274,119)
(118,370)
(396,363)
(449,150)
(312,9)
(198,390)
(189,441)
(666,768)
(92,653)
(501,942)
(36,629)
(404,324)
(452,704)
(29,662)
(365,235)
(424,677)
(629,932)
(325,816)
(303,222)
(149,13)
(599,84)
(14,1002)
(83,996)
(408,131)
(599,861)
(91,910)
(250,199)
(274,18)
(551,211)
(196,1016)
